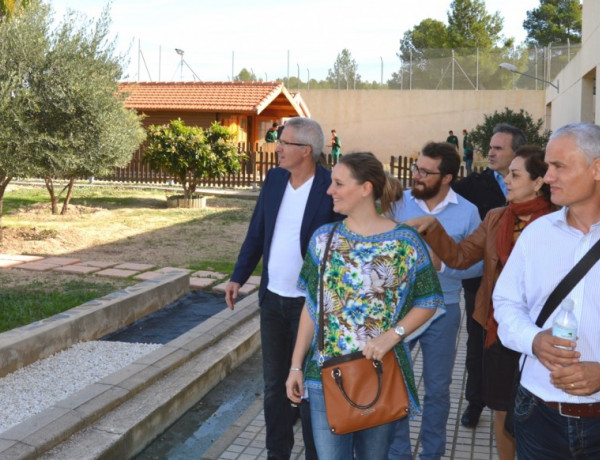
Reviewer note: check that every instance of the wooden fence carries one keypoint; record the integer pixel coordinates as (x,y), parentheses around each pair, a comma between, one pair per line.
(252,173)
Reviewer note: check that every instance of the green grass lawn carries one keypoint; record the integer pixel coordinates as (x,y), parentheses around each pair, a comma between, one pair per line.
(131,218)
(28,301)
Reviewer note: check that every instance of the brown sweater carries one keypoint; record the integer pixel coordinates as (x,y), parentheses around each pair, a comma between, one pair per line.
(481,244)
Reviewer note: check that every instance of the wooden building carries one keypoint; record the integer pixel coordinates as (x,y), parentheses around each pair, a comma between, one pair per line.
(248,108)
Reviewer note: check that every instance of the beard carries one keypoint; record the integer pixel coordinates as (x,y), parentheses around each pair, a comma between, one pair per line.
(425,192)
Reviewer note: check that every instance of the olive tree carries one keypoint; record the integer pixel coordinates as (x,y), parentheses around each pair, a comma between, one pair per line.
(60,114)
(23,44)
(78,102)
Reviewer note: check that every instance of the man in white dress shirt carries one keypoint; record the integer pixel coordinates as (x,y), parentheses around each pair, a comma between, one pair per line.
(557,408)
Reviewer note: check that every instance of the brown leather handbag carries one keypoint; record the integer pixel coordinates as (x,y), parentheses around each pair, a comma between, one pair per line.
(359,393)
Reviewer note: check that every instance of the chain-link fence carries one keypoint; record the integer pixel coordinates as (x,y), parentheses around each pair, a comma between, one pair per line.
(465,69)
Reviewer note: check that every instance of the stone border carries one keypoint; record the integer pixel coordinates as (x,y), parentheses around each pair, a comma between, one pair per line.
(119,415)
(89,321)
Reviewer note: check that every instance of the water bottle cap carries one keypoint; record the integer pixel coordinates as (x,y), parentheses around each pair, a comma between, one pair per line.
(567,304)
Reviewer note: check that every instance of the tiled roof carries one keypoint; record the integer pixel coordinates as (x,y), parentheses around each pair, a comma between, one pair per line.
(247,97)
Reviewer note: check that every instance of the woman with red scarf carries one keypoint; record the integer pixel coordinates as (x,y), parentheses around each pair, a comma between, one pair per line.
(528,198)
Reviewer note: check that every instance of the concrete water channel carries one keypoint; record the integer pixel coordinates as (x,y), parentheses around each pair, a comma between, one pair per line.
(118,416)
(196,431)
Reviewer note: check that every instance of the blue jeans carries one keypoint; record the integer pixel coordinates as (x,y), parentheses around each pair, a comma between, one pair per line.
(370,444)
(279,318)
(541,432)
(469,166)
(438,346)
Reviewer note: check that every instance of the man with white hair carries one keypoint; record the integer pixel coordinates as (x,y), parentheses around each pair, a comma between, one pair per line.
(557,408)
(292,204)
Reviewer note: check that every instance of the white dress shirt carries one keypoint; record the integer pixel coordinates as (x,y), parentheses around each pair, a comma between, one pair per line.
(544,253)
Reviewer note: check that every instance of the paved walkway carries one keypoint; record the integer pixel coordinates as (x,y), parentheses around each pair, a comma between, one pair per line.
(245,440)
(198,280)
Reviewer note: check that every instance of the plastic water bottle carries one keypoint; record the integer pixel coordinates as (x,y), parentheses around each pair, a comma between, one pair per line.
(565,323)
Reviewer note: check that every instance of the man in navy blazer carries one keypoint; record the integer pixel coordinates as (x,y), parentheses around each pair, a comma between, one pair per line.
(292,204)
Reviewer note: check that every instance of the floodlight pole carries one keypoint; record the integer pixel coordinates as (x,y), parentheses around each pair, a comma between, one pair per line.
(513,69)
(180,52)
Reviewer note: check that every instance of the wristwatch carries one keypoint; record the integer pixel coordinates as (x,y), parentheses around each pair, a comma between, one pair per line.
(400,331)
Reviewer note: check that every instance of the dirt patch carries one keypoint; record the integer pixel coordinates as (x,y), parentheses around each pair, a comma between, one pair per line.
(151,234)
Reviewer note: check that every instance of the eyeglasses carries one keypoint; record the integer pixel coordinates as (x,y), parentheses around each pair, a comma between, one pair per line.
(422,172)
(284,143)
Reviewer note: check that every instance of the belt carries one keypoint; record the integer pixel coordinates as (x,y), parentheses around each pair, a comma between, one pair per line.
(588,410)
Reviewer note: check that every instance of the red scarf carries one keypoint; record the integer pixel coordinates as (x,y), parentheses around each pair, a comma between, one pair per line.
(505,237)
(505,241)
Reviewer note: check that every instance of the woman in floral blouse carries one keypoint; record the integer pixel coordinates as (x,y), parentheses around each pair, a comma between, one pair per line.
(379,286)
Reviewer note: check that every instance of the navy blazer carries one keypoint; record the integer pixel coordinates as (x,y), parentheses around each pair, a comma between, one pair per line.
(481,189)
(257,244)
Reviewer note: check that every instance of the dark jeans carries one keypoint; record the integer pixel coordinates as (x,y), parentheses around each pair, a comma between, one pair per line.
(475,342)
(541,432)
(279,318)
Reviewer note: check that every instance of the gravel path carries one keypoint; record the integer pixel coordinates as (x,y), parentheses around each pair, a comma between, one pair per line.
(38,386)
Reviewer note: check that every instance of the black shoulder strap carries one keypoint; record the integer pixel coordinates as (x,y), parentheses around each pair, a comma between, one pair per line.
(569,282)
(320,299)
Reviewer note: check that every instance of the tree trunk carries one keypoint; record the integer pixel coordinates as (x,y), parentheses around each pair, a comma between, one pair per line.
(68,197)
(3,184)
(53,197)
(186,191)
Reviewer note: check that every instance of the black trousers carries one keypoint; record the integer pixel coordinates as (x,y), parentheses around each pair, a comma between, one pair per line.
(475,343)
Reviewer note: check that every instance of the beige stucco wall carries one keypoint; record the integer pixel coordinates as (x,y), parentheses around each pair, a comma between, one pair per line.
(575,101)
(395,122)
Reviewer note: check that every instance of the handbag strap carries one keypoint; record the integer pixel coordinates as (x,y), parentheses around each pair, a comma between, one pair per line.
(321,313)
(569,282)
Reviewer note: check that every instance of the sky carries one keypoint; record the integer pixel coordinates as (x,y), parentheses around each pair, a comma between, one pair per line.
(271,39)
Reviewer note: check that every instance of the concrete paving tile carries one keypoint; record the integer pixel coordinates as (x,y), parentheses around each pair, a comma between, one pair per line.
(247,289)
(254,279)
(201,283)
(241,441)
(102,402)
(209,274)
(18,450)
(220,288)
(245,456)
(61,260)
(82,396)
(253,451)
(82,269)
(136,267)
(147,276)
(117,273)
(172,269)
(32,424)
(38,266)
(22,258)
(140,379)
(117,377)
(5,444)
(98,263)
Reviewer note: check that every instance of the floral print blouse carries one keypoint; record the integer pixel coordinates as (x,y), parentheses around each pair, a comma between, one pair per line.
(370,283)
